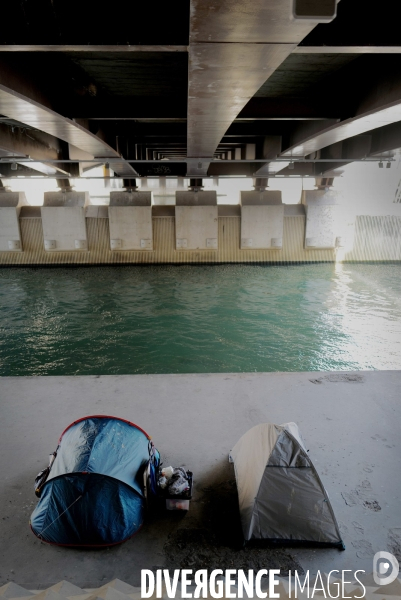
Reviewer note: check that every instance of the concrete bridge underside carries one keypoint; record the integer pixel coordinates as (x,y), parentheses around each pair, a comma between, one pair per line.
(215,89)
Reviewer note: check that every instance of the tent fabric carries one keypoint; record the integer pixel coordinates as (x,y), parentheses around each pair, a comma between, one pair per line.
(94,494)
(250,456)
(101,511)
(106,446)
(280,494)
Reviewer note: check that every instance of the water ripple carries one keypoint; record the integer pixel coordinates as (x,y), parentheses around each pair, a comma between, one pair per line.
(227,318)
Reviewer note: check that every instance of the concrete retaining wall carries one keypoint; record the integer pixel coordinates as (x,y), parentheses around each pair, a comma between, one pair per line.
(376,239)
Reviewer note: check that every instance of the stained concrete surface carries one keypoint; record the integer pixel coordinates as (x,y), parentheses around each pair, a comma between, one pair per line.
(350,421)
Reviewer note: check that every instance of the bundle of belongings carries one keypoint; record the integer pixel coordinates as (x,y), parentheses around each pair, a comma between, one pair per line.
(176,487)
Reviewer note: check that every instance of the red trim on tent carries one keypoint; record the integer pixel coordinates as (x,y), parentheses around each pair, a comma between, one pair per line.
(104,417)
(85,545)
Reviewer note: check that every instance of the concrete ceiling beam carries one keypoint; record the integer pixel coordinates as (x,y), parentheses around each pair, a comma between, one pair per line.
(288,108)
(386,139)
(22,101)
(223,77)
(378,106)
(381,143)
(27,142)
(247,21)
(127,49)
(235,46)
(26,171)
(16,142)
(355,148)
(347,50)
(360,124)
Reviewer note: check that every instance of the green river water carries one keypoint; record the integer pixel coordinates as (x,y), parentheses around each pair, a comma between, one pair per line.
(197,319)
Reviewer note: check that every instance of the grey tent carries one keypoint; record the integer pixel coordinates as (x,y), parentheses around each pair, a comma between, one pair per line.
(281,497)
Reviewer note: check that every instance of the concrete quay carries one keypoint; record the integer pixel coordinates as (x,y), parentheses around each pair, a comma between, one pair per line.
(350,422)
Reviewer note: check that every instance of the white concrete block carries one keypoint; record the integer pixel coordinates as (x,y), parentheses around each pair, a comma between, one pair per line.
(131,226)
(63,225)
(66,199)
(196,220)
(130,198)
(262,226)
(10,235)
(320,226)
(321,208)
(63,221)
(130,221)
(198,226)
(12,199)
(320,197)
(255,198)
(202,198)
(311,242)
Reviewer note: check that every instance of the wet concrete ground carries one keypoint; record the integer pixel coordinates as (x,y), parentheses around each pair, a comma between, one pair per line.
(350,421)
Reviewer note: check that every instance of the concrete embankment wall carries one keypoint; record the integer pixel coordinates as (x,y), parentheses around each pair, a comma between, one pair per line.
(375,239)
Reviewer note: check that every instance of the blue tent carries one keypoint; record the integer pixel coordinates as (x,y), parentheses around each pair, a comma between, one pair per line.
(94,494)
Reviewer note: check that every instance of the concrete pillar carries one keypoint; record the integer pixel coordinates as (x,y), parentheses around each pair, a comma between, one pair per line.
(321,207)
(262,220)
(63,221)
(180,183)
(10,234)
(196,220)
(130,184)
(64,185)
(260,183)
(195,185)
(250,151)
(130,221)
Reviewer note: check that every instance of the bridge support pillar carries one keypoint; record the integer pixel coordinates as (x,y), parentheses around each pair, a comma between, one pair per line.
(130,221)
(63,221)
(10,234)
(322,216)
(196,220)
(262,220)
